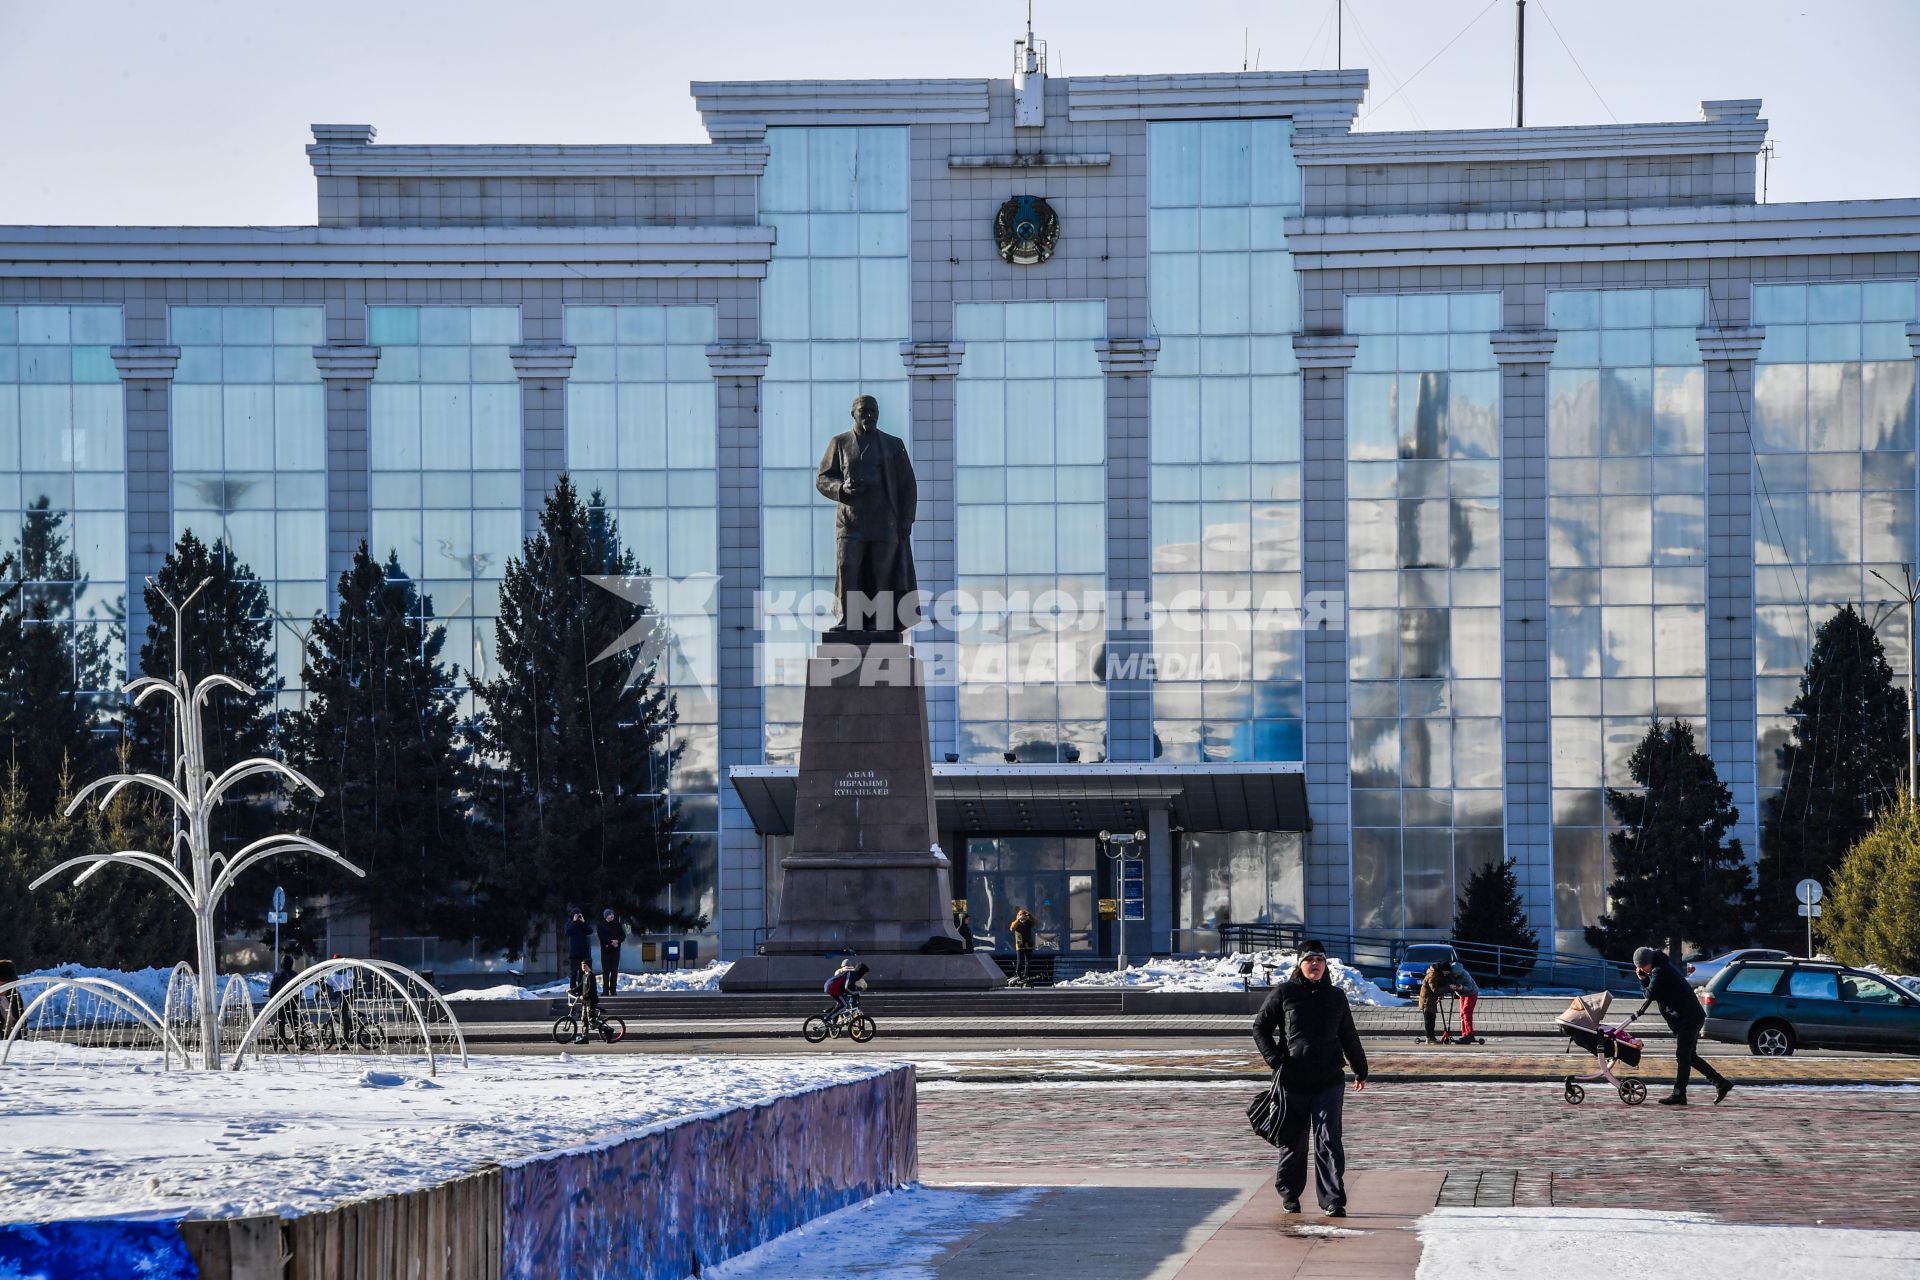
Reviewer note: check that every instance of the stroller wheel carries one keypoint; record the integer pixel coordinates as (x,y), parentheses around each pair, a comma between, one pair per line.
(1632,1091)
(1575,1095)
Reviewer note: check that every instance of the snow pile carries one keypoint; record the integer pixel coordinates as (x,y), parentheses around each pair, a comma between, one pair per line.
(1606,1244)
(149,984)
(85,1139)
(706,979)
(1222,973)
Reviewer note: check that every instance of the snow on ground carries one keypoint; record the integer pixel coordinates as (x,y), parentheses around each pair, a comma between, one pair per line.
(706,979)
(1222,973)
(899,1235)
(1607,1244)
(97,1136)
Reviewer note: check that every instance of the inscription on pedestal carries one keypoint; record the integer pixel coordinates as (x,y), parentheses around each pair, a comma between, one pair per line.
(861,782)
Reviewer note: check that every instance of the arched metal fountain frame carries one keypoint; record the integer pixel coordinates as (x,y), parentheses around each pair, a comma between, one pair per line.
(112,992)
(384,970)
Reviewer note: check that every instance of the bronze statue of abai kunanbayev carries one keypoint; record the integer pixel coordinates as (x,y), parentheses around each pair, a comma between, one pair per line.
(868,474)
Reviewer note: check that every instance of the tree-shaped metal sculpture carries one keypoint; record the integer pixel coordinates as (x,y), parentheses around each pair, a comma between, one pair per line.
(194,792)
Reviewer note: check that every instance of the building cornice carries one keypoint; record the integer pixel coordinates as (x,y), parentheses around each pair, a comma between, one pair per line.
(739,359)
(545,362)
(933,359)
(1602,235)
(693,160)
(138,363)
(1127,357)
(687,252)
(1522,347)
(346,363)
(1512,146)
(1324,353)
(742,110)
(1329,96)
(1729,346)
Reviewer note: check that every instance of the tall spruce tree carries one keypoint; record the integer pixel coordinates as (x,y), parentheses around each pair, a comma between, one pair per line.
(1843,765)
(376,733)
(50,669)
(1677,876)
(229,631)
(1491,912)
(576,742)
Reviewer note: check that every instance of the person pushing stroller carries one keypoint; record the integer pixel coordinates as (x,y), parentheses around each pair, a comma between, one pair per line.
(1667,986)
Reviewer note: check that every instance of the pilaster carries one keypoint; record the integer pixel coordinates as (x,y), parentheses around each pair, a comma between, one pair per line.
(1729,354)
(737,369)
(146,378)
(347,370)
(1522,355)
(1324,359)
(1128,364)
(543,369)
(931,369)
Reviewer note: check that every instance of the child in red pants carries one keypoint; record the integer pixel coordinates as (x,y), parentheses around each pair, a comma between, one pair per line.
(1469,992)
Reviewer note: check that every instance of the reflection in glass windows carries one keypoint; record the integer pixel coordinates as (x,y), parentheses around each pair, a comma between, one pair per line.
(1226,441)
(1030,550)
(1833,443)
(445,459)
(1626,557)
(250,456)
(1238,877)
(63,488)
(1054,877)
(834,308)
(1423,603)
(641,432)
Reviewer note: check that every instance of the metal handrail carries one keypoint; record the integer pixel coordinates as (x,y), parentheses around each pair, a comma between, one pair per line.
(1381,953)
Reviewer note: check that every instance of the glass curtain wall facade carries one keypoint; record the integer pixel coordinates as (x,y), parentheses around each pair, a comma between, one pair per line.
(641,432)
(1054,877)
(835,307)
(1423,603)
(1237,877)
(250,456)
(1626,559)
(1833,442)
(1030,453)
(63,477)
(446,463)
(1226,441)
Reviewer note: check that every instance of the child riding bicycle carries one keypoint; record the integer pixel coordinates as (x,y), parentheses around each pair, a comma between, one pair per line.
(845,986)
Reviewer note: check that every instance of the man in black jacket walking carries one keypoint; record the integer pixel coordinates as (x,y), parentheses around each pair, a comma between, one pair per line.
(1668,987)
(1304,1030)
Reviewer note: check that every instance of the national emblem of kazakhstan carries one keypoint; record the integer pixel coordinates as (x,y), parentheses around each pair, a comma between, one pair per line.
(1026,229)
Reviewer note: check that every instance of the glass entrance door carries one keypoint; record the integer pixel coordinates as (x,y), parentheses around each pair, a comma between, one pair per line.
(1051,876)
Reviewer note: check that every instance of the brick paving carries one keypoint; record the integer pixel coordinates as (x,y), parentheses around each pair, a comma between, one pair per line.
(1770,1155)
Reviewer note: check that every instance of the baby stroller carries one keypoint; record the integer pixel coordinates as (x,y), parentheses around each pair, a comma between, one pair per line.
(1583,1024)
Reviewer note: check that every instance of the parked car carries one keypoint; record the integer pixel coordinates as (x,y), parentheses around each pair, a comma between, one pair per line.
(1777,1006)
(1414,965)
(1701,969)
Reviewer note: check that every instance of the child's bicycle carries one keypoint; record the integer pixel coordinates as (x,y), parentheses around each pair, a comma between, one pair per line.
(838,1021)
(569,1028)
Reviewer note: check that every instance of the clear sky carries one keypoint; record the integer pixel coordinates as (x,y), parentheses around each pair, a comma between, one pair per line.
(196,111)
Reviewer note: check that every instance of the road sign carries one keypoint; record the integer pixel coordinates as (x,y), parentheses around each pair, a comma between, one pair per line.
(1808,891)
(1133,909)
(1809,911)
(280,900)
(276,917)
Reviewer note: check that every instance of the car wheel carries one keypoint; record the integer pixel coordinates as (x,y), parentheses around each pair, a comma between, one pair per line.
(1771,1040)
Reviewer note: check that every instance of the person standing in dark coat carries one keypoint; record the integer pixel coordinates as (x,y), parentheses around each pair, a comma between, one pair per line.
(1666,986)
(579,948)
(1304,1031)
(611,936)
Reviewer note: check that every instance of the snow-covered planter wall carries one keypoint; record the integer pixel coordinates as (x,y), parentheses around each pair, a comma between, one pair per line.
(664,1205)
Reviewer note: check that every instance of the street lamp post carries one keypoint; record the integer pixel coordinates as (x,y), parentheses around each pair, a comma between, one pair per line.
(1125,840)
(1908,591)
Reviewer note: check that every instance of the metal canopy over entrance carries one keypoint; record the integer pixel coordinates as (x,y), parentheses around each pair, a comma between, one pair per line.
(1073,797)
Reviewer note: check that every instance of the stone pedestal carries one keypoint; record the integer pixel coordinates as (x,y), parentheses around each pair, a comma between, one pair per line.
(864,877)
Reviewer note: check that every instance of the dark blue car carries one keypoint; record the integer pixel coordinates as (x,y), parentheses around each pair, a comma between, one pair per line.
(1413,966)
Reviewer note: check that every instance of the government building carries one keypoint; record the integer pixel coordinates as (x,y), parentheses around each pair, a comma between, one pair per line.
(1332,509)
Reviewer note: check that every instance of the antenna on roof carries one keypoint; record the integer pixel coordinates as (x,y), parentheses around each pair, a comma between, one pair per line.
(1029,79)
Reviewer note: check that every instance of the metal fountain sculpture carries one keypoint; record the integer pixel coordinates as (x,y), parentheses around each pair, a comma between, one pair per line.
(195,791)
